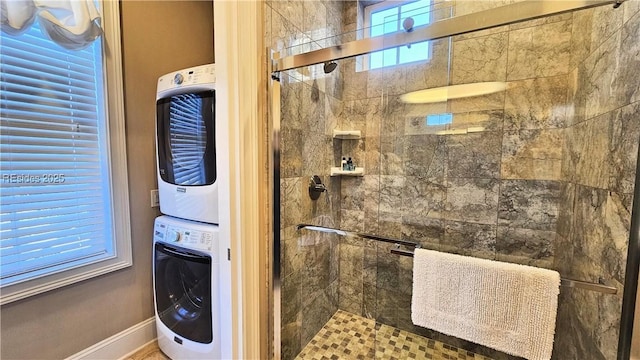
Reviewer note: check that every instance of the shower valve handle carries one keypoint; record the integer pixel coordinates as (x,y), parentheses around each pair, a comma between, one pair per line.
(316,187)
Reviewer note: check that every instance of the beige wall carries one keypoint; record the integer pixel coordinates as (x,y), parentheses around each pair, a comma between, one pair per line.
(158,37)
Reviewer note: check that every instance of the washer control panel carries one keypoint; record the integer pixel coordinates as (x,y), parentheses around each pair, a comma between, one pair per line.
(189,237)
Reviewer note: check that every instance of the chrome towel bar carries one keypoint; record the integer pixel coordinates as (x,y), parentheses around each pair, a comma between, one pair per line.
(563,282)
(364,236)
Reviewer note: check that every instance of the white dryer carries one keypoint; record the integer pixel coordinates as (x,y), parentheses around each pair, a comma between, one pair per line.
(186,291)
(186,144)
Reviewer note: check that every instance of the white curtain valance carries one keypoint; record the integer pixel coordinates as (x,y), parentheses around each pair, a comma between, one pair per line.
(72,24)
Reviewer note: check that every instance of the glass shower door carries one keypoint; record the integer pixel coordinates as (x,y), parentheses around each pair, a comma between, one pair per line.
(536,168)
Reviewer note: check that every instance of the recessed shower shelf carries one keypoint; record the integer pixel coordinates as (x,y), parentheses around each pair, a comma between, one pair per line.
(347,134)
(336,171)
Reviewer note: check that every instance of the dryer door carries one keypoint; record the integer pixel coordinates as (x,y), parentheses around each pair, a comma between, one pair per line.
(185,128)
(183,292)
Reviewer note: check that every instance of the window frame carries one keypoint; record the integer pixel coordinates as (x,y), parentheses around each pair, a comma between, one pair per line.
(118,181)
(381,6)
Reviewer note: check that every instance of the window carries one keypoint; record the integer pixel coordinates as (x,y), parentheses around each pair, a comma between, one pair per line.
(65,211)
(386,18)
(439,119)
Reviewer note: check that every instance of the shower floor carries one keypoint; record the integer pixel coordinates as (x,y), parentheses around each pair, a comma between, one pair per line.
(349,336)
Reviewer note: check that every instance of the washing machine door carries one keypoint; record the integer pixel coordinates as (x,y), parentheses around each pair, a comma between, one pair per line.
(183,292)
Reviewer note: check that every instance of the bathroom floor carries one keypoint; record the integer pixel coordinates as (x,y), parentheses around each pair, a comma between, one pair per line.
(349,336)
(150,352)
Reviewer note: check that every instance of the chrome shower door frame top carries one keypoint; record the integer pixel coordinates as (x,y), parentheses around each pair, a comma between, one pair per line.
(458,25)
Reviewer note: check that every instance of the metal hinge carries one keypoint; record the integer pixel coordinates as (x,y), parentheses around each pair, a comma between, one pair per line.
(229,254)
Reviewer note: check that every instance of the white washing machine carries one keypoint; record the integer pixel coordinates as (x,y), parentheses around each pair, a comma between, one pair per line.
(186,291)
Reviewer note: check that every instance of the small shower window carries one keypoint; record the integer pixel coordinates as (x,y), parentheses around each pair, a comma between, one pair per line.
(387,17)
(439,119)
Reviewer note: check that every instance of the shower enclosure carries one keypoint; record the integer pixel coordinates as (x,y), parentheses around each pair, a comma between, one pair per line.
(510,135)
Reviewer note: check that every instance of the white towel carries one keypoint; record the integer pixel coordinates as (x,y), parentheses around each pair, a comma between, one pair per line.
(507,307)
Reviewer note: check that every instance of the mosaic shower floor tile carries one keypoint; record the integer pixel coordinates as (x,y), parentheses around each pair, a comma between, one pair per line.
(347,336)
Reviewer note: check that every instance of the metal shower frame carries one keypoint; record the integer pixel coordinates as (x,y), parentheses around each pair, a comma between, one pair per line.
(505,15)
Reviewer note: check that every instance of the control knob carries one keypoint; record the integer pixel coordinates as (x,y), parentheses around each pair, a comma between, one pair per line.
(173,235)
(178,79)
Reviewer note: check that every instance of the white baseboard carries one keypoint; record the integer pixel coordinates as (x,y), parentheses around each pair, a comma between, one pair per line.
(121,344)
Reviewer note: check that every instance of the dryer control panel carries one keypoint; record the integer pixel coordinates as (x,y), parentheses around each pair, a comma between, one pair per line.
(187,234)
(187,80)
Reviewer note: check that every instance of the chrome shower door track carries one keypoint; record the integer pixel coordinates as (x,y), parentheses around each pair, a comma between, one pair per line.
(458,25)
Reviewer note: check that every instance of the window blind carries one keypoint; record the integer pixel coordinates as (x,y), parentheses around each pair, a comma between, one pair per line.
(54,186)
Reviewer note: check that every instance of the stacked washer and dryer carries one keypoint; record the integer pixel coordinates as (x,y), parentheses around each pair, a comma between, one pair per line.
(186,271)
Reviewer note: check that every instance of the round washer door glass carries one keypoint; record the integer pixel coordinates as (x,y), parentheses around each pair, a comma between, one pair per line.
(183,292)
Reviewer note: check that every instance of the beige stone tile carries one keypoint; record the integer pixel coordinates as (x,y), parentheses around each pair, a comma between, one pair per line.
(349,336)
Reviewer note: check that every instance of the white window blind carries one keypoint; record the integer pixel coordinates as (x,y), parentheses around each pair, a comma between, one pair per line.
(55,200)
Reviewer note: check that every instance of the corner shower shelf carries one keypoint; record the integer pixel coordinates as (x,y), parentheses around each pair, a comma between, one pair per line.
(336,171)
(347,134)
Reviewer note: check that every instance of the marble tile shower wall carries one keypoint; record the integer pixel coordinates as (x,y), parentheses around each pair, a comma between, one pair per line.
(598,169)
(547,183)
(309,102)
